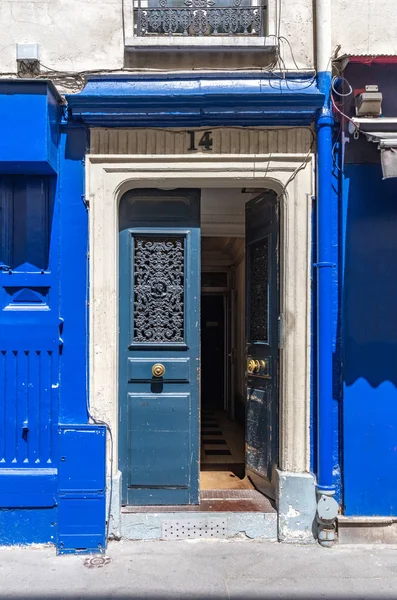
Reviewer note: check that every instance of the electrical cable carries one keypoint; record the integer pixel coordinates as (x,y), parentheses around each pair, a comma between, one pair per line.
(342,95)
(77,80)
(298,169)
(334,146)
(342,113)
(94,419)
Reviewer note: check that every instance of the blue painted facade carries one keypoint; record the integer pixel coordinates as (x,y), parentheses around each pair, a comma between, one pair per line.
(52,463)
(48,492)
(365,294)
(369,341)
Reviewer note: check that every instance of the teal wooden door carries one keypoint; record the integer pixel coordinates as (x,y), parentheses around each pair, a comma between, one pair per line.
(159,283)
(262,337)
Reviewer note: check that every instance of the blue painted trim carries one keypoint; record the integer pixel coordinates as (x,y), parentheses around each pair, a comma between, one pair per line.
(29,126)
(73,276)
(28,526)
(324,125)
(197,100)
(28,487)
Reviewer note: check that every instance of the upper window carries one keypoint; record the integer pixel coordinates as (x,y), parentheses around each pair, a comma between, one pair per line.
(25,214)
(192,18)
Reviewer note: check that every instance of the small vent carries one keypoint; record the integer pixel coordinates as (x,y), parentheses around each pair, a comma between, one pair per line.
(177,529)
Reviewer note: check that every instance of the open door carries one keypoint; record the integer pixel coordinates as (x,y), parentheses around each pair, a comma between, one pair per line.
(262,315)
(159,283)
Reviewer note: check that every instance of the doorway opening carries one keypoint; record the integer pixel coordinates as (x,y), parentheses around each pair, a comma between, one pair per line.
(161,323)
(222,425)
(239,340)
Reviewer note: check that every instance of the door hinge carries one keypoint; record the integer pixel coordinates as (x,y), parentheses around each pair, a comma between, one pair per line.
(280,332)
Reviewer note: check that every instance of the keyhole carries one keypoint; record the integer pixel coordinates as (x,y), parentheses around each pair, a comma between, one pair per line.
(25,431)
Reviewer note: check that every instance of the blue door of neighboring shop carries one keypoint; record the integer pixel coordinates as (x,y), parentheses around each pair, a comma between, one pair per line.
(30,342)
(159,284)
(262,338)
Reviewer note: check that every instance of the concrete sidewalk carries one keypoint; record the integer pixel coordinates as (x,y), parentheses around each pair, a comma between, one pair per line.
(201,569)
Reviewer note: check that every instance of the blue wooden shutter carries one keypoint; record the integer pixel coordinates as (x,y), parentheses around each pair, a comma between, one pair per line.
(30,342)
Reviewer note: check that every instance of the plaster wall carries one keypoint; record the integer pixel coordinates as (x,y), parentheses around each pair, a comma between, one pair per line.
(78,36)
(73,35)
(366,27)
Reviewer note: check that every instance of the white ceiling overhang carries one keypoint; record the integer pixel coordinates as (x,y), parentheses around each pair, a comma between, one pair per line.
(382,131)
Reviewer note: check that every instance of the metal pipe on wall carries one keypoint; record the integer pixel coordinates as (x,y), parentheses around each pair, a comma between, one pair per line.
(327,507)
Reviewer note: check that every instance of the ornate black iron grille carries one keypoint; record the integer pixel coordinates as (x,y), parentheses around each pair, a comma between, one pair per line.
(198,17)
(159,265)
(259,292)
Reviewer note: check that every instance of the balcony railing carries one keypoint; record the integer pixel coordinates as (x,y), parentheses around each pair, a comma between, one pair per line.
(156,18)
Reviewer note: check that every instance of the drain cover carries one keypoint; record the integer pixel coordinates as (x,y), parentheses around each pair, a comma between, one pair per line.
(97,562)
(185,529)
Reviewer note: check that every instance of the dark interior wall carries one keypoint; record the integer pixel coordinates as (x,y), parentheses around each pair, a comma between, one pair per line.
(212,351)
(372,73)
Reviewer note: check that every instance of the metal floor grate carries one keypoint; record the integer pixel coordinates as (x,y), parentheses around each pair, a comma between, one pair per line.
(176,529)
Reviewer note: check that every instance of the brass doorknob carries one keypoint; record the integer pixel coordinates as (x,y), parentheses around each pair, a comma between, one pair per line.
(158,370)
(253,365)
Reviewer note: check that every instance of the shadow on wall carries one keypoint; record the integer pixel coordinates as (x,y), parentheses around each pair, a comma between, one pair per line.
(370,277)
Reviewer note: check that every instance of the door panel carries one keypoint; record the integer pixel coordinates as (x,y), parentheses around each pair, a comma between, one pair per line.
(262,313)
(159,436)
(159,346)
(30,340)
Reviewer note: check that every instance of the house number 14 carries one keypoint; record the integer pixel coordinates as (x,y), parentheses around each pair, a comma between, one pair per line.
(200,139)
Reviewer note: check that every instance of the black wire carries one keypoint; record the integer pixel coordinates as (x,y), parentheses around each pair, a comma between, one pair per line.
(109,430)
(99,421)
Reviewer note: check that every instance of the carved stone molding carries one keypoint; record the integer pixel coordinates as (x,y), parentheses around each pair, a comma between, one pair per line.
(109,177)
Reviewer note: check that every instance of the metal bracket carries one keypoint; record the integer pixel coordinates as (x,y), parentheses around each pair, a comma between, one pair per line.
(280,332)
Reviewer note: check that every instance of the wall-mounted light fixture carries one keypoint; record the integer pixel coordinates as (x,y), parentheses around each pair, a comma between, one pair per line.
(369,103)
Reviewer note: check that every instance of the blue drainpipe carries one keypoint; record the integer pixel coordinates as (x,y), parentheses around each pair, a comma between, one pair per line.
(327,507)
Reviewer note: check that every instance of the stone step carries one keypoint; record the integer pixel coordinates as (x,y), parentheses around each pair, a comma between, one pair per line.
(198,525)
(367,530)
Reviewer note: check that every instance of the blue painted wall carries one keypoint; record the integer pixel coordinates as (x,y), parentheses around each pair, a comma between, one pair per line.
(369,325)
(29,124)
(47,492)
(73,275)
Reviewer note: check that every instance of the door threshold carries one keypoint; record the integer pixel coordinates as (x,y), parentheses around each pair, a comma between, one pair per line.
(244,514)
(214,501)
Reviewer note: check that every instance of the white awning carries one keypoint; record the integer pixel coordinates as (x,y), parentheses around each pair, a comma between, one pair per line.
(382,131)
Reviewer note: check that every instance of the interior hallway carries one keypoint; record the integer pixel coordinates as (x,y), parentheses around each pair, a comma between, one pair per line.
(222,452)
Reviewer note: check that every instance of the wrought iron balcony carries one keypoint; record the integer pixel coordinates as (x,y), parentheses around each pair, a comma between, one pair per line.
(157,18)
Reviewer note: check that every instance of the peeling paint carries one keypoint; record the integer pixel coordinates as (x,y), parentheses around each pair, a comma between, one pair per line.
(292,512)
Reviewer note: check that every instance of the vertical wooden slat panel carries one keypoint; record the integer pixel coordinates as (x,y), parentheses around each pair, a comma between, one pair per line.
(228,140)
(23,406)
(11,387)
(53,372)
(35,399)
(3,374)
(45,406)
(29,396)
